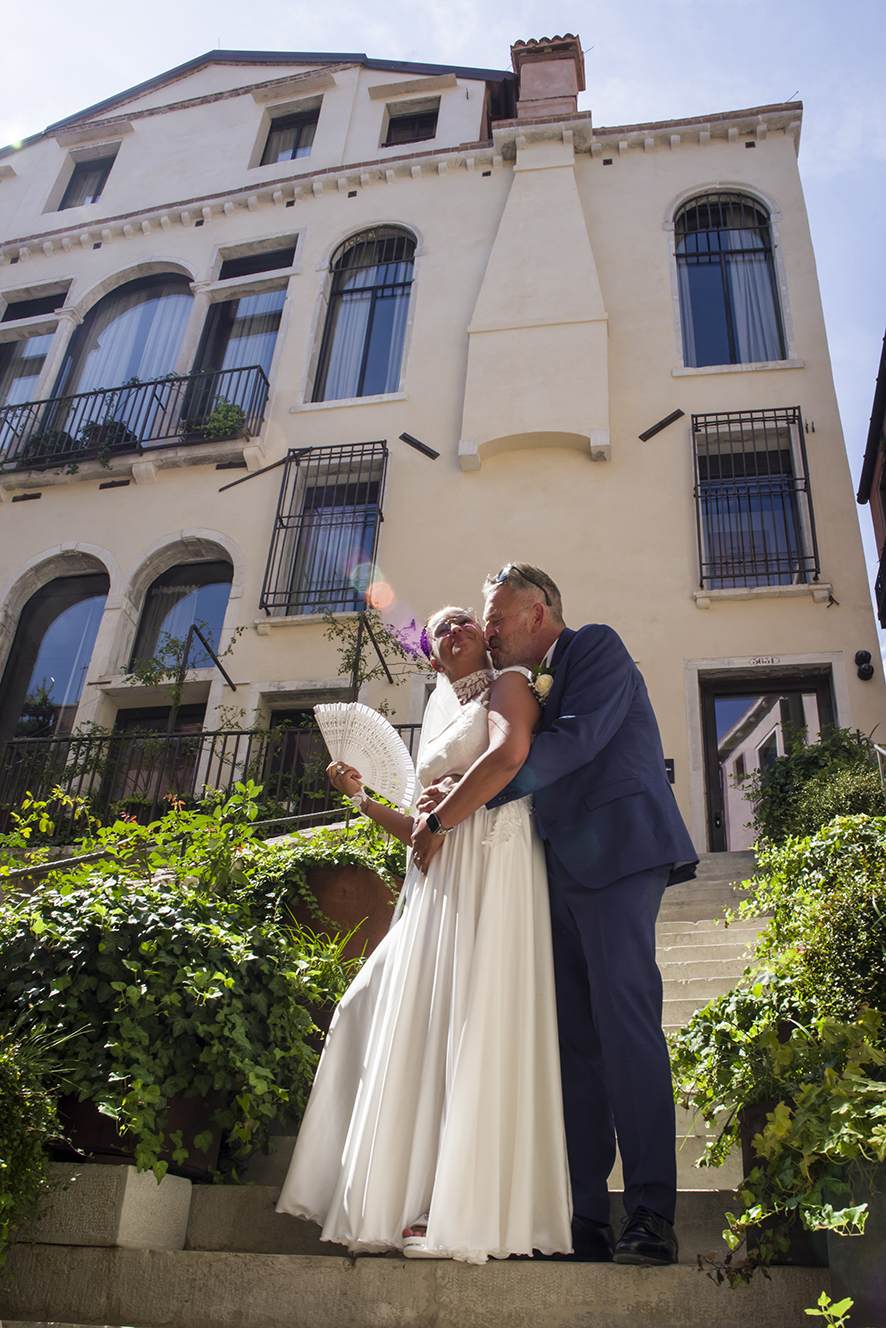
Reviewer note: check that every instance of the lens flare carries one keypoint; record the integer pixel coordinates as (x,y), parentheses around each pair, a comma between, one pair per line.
(379,595)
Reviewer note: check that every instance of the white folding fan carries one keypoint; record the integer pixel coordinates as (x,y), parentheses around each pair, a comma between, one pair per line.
(358,736)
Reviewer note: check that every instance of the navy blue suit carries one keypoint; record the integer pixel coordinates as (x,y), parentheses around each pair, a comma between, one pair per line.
(614,839)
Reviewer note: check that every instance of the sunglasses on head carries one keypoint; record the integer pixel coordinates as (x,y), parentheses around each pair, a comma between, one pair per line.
(512,567)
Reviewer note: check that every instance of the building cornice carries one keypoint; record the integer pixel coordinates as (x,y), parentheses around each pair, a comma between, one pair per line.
(288,190)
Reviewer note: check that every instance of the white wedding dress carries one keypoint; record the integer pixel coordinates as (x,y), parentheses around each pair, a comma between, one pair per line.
(438,1091)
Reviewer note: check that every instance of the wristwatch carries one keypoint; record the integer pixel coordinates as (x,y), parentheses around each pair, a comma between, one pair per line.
(433,824)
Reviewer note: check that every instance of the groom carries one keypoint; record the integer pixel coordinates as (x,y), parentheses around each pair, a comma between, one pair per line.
(614,840)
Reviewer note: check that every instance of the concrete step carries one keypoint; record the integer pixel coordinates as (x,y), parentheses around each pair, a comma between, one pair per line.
(701,950)
(694,967)
(198,1289)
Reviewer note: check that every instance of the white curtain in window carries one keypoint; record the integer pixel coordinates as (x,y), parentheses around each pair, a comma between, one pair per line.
(132,333)
(348,341)
(753,308)
(685,287)
(253,333)
(334,541)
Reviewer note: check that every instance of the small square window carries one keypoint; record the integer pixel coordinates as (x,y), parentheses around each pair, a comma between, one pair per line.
(413,127)
(291,136)
(86,183)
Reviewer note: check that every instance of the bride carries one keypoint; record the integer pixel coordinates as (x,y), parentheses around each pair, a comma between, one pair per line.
(435,1125)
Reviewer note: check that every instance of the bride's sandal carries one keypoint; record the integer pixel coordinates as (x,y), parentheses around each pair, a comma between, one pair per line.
(415,1243)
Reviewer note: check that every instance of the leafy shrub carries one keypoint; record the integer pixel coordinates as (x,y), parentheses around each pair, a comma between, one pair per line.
(170,970)
(811,784)
(804,1030)
(27,1122)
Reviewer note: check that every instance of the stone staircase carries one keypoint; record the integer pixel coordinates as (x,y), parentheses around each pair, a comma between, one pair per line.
(245,1266)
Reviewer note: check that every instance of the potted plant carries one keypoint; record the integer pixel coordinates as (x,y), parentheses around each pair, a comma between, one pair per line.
(802,1040)
(178,983)
(225,420)
(45,445)
(337,880)
(106,437)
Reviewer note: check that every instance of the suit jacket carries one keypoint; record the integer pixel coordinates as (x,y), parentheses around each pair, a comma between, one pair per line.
(596,770)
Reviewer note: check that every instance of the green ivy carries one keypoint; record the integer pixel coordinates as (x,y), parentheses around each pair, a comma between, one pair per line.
(170,967)
(804,1030)
(811,784)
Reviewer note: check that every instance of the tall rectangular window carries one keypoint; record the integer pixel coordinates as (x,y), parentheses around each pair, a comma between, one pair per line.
(86,183)
(754,509)
(326,529)
(291,136)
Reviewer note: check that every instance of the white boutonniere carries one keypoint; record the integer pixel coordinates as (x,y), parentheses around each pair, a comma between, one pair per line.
(541,682)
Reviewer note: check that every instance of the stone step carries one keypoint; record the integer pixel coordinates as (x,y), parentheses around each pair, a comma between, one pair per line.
(702,950)
(694,968)
(200,1289)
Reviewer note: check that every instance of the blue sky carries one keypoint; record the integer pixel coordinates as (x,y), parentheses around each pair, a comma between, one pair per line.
(646,60)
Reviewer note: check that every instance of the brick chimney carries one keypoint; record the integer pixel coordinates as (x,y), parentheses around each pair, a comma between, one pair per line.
(551,73)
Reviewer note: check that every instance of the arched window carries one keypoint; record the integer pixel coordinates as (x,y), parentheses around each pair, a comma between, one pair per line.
(362,349)
(728,299)
(134,332)
(50,655)
(182,596)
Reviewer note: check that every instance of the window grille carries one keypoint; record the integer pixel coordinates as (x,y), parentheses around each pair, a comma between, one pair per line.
(326,529)
(728,300)
(755,520)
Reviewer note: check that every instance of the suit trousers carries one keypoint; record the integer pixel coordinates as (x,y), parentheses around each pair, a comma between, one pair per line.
(613,1055)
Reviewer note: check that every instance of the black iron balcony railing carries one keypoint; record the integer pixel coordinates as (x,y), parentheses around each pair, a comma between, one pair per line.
(138,774)
(188,408)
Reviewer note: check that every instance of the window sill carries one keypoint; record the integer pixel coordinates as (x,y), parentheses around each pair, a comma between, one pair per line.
(264,626)
(348,401)
(737,368)
(819,590)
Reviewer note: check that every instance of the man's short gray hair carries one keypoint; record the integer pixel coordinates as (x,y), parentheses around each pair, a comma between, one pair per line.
(527,581)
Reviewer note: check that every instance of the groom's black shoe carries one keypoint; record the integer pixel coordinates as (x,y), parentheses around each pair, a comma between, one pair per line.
(647,1239)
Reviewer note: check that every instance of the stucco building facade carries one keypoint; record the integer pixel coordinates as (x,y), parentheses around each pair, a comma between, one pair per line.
(612,338)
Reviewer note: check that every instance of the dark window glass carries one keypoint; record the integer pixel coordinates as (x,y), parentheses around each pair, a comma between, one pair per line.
(20,366)
(249,263)
(728,301)
(187,594)
(362,350)
(411,128)
(50,655)
(754,509)
(87,183)
(243,332)
(45,304)
(291,136)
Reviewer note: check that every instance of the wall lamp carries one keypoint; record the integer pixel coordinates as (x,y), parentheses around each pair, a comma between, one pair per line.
(865,667)
(419,447)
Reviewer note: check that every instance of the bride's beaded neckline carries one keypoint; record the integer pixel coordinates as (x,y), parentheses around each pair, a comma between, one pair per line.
(473,685)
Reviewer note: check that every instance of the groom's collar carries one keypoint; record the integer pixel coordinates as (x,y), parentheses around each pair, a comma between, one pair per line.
(560,645)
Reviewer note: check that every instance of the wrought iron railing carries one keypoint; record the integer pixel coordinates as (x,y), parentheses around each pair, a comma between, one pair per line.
(139,774)
(180,408)
(755,520)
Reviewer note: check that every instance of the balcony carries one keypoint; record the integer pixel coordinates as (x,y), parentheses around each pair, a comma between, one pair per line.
(137,774)
(62,432)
